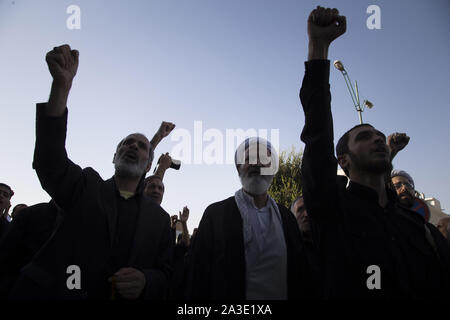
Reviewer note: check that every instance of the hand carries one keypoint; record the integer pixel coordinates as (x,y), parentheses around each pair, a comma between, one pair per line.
(165,129)
(185,215)
(173,221)
(128,282)
(397,141)
(63,64)
(165,161)
(324,25)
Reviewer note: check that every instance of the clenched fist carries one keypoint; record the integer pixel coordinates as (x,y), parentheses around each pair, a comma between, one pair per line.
(165,129)
(173,221)
(325,25)
(63,64)
(128,282)
(397,142)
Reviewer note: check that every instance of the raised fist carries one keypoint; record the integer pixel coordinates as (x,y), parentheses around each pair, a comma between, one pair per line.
(165,129)
(397,142)
(173,221)
(325,25)
(165,160)
(63,64)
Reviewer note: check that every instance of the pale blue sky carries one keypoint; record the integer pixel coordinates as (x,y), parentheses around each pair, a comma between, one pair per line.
(230,64)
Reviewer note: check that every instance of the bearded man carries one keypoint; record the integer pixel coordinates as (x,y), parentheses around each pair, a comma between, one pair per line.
(113,241)
(248,247)
(404,186)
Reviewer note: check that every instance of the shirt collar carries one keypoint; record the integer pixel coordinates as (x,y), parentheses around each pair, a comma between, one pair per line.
(119,192)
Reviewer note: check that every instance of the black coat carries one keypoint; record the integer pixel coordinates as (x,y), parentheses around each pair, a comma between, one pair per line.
(29,231)
(350,228)
(4,227)
(87,231)
(216,260)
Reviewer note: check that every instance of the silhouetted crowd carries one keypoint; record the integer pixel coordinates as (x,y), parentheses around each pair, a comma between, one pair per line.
(345,237)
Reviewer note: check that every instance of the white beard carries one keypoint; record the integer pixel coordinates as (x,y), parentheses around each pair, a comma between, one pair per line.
(129,170)
(256,184)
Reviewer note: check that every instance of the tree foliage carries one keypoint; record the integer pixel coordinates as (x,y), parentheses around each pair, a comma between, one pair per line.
(287,183)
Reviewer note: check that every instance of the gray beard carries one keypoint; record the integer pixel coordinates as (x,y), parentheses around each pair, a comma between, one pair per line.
(128,170)
(257,184)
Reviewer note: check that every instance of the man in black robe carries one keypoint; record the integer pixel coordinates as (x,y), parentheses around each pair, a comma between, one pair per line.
(247,247)
(28,232)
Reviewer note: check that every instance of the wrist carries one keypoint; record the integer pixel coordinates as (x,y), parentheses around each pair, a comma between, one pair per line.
(317,50)
(164,167)
(61,86)
(57,101)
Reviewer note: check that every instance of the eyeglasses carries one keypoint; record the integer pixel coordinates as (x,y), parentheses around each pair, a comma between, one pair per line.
(408,185)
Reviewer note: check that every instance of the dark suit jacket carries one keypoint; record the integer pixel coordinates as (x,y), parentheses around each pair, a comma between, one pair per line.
(4,227)
(86,233)
(29,231)
(216,260)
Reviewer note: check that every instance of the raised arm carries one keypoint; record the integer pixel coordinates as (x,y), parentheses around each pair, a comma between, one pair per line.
(319,166)
(57,174)
(164,163)
(164,130)
(184,216)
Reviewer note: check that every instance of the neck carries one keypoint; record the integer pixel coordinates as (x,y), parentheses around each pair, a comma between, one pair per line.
(259,199)
(373,181)
(126,184)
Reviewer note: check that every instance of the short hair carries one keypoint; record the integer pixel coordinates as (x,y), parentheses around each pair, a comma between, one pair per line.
(151,153)
(293,202)
(11,192)
(342,145)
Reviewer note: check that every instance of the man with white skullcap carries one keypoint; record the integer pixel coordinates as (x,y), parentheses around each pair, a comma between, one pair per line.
(247,246)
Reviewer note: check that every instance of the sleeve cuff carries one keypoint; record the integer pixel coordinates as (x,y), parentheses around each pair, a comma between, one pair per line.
(49,126)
